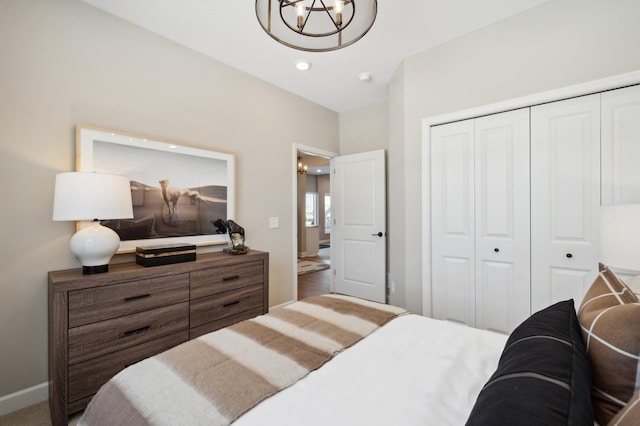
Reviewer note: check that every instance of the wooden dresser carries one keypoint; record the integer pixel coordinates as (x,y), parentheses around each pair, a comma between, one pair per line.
(99,324)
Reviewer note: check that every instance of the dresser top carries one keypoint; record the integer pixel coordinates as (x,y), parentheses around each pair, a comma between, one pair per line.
(70,279)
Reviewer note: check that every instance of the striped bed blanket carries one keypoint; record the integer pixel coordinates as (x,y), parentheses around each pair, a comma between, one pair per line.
(217,377)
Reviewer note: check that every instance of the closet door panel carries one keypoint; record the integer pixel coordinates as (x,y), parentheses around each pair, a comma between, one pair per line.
(452,223)
(567,283)
(502,214)
(495,294)
(621,146)
(565,198)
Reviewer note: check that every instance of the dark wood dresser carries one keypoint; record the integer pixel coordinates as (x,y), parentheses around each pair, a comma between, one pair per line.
(99,324)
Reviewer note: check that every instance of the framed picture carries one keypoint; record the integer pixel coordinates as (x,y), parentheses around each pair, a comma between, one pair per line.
(179,193)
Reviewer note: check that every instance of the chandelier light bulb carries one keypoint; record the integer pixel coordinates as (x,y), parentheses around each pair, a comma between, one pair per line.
(338,6)
(300,12)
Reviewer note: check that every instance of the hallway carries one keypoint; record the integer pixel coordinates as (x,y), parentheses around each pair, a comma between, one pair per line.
(316,283)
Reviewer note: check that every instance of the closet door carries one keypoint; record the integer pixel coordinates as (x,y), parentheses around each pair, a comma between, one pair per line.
(502,221)
(452,222)
(565,198)
(621,146)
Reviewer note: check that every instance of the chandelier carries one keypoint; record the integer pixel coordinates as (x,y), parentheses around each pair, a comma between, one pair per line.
(302,169)
(316,25)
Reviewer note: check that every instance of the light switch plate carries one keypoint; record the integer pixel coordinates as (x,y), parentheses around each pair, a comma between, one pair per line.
(274,222)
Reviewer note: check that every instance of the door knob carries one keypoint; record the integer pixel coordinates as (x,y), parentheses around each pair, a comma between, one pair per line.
(379,234)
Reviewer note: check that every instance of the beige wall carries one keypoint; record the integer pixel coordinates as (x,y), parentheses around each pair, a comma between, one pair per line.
(324,187)
(396,230)
(62,63)
(365,129)
(560,43)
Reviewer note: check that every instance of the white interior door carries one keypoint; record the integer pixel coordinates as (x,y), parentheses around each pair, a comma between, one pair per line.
(565,196)
(502,224)
(358,236)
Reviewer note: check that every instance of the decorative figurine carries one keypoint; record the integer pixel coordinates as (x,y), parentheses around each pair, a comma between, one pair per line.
(236,235)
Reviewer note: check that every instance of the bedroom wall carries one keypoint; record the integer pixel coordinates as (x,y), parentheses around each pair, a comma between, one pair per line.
(365,129)
(560,43)
(64,63)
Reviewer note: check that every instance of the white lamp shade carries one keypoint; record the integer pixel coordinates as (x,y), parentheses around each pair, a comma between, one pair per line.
(620,236)
(93,196)
(88,196)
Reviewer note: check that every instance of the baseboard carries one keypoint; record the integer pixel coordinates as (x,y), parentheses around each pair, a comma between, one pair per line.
(24,398)
(282,305)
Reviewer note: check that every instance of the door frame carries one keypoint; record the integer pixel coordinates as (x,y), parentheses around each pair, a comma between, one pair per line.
(317,152)
(609,83)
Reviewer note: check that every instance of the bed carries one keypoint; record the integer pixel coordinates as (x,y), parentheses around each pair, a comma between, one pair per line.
(339,360)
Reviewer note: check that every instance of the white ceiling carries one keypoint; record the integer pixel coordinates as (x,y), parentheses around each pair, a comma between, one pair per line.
(228,30)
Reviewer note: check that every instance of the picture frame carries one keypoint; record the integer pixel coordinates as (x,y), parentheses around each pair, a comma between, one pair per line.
(179,192)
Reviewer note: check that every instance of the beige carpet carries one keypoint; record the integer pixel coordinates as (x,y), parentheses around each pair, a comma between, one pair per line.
(34,415)
(306,266)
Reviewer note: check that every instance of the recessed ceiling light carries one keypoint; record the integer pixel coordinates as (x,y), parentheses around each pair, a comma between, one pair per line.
(303,65)
(364,76)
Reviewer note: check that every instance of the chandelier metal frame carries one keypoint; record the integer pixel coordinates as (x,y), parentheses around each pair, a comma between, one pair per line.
(316,25)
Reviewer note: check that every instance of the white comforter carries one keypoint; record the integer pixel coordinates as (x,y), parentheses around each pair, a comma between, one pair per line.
(413,371)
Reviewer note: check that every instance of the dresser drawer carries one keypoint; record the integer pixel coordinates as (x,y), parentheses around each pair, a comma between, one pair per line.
(224,278)
(100,303)
(93,340)
(207,309)
(224,322)
(86,377)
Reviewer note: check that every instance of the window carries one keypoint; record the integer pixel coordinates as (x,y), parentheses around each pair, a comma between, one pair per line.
(327,213)
(311,209)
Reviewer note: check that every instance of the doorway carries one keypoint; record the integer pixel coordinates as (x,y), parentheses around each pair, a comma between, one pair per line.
(312,203)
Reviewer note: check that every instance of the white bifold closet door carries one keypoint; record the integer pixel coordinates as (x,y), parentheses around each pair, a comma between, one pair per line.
(621,146)
(480,220)
(565,199)
(453,222)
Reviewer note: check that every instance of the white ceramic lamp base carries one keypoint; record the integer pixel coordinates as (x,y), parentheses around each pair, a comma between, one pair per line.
(94,246)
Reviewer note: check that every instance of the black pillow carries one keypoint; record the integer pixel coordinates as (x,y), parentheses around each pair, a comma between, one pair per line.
(543,377)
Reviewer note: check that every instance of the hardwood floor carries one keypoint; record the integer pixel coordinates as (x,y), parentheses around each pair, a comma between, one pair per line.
(315,283)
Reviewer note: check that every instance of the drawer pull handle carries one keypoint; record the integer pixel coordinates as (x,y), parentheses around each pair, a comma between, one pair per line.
(136,331)
(235,302)
(140,296)
(231,278)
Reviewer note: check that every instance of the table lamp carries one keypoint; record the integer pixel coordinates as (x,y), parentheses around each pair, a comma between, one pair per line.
(620,236)
(85,196)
